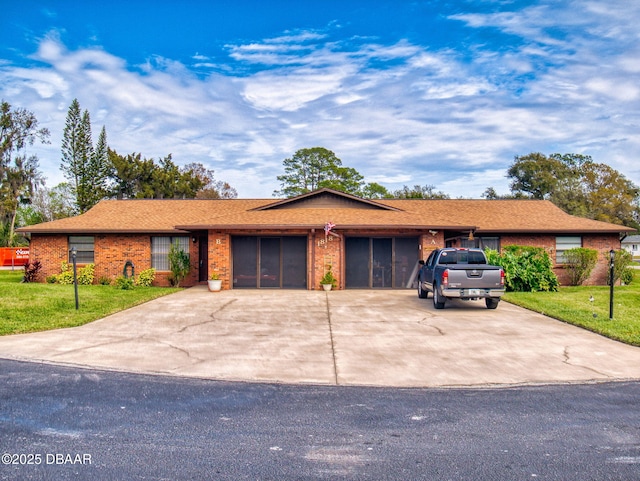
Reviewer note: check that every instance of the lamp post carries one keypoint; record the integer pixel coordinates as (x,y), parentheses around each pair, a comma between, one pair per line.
(74,253)
(612,257)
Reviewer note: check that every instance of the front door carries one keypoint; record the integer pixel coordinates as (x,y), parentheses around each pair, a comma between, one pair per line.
(203,258)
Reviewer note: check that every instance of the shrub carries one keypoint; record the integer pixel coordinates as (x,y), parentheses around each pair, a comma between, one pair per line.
(146,277)
(627,276)
(86,275)
(526,269)
(328,278)
(179,264)
(104,281)
(580,262)
(123,283)
(31,270)
(66,276)
(621,266)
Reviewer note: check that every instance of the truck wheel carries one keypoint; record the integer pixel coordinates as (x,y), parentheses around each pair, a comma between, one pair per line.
(491,302)
(438,302)
(422,294)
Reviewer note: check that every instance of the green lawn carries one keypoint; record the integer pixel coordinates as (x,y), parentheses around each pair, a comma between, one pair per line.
(572,305)
(39,307)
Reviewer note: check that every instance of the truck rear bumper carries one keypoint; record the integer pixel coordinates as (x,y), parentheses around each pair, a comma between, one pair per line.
(472,293)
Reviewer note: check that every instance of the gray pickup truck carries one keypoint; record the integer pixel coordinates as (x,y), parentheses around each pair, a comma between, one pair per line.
(461,274)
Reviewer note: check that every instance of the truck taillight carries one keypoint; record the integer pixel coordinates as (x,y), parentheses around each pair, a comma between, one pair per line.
(445,278)
(501,277)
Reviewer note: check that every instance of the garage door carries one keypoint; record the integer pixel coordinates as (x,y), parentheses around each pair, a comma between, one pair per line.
(386,262)
(269,262)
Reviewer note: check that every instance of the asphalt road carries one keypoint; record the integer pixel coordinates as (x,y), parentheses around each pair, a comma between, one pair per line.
(59,423)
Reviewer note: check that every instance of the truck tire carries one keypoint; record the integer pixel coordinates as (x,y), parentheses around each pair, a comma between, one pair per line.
(438,302)
(422,294)
(491,302)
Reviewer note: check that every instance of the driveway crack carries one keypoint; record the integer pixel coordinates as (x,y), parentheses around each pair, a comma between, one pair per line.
(212,316)
(567,360)
(333,347)
(440,331)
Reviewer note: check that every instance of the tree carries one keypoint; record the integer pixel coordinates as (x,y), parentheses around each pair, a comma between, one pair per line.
(578,185)
(420,192)
(536,175)
(308,170)
(135,177)
(52,204)
(490,194)
(317,168)
(19,173)
(373,190)
(85,168)
(609,196)
(128,174)
(217,190)
(99,167)
(21,180)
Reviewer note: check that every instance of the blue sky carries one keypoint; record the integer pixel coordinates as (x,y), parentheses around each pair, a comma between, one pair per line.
(443,93)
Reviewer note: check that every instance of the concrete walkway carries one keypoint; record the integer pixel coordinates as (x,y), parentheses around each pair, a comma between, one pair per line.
(354,337)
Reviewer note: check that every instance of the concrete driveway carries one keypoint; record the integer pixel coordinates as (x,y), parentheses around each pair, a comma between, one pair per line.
(353,337)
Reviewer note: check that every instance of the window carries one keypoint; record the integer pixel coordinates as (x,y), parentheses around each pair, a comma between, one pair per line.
(564,244)
(490,243)
(160,250)
(84,248)
(481,243)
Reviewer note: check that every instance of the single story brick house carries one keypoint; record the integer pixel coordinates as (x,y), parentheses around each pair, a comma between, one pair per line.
(267,243)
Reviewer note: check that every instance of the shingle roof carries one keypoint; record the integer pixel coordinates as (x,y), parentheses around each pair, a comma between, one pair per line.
(171,216)
(632,239)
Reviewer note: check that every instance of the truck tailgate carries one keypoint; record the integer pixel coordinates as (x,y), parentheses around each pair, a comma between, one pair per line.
(474,276)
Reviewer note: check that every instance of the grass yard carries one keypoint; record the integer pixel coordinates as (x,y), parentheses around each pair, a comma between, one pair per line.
(40,307)
(572,305)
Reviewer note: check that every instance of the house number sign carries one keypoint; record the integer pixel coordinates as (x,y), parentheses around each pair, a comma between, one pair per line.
(322,242)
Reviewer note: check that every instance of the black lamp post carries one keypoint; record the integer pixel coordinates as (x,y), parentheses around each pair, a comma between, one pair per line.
(74,253)
(612,257)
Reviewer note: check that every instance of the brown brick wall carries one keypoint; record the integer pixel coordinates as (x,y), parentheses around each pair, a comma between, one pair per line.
(430,242)
(51,251)
(111,253)
(113,250)
(220,256)
(329,251)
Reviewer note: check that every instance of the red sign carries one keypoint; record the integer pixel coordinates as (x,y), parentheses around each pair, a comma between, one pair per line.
(14,256)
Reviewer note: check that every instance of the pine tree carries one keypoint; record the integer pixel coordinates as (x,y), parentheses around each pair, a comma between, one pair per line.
(99,168)
(86,169)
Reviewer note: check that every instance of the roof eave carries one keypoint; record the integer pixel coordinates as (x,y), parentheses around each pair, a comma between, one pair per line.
(553,231)
(104,231)
(320,226)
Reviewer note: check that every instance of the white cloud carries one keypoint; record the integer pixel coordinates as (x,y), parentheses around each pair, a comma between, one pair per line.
(401,114)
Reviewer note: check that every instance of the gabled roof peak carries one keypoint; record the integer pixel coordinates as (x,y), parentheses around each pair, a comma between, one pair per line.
(326,198)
